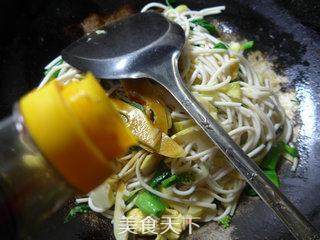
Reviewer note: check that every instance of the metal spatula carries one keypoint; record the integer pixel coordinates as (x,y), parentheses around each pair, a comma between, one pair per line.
(149,45)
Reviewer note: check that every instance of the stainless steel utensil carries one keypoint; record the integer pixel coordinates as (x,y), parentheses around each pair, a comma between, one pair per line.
(149,45)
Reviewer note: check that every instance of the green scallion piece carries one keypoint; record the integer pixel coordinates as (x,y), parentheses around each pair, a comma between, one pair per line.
(250,192)
(271,159)
(272,175)
(225,221)
(170,2)
(247,45)
(205,24)
(168,182)
(150,204)
(186,177)
(79,209)
(134,149)
(220,45)
(159,177)
(56,73)
(291,150)
(132,103)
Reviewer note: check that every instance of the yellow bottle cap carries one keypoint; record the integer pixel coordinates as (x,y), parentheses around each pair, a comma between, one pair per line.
(77,129)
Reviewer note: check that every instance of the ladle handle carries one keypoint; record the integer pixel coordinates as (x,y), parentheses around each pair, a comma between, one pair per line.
(297,224)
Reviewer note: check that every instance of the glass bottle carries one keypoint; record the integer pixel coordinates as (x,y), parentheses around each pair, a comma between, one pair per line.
(30,188)
(60,140)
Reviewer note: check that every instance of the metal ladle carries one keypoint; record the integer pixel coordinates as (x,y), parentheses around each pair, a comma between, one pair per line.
(149,45)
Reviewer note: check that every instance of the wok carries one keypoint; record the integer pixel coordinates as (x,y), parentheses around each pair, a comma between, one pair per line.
(286,31)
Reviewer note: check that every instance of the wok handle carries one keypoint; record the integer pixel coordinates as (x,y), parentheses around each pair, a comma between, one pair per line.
(169,76)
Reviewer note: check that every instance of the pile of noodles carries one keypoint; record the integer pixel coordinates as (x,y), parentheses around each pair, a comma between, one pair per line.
(255,120)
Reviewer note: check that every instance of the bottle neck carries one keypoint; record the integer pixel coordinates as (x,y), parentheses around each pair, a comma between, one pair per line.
(30,188)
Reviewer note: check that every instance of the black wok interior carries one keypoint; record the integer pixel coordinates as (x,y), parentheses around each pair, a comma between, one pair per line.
(35,32)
